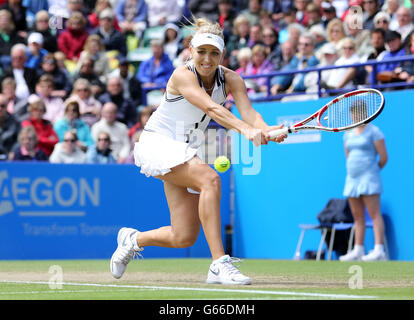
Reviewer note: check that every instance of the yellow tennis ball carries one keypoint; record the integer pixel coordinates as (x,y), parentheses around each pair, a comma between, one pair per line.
(222,164)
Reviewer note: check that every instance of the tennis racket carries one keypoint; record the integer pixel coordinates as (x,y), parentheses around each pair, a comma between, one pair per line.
(345,112)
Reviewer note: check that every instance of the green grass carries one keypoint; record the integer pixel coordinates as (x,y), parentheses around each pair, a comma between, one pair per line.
(161,279)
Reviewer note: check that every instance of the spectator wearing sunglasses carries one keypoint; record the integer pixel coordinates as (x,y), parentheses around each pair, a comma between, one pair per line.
(68,150)
(101,152)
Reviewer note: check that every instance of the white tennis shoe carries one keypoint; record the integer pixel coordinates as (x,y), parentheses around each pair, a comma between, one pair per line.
(353,255)
(223,271)
(375,255)
(127,249)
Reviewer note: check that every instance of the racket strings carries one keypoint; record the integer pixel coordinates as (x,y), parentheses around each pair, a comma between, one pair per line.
(351,110)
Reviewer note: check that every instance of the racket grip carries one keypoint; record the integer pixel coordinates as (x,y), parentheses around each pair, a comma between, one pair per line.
(277,132)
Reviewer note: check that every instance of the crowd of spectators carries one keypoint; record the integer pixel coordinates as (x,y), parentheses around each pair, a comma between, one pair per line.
(69,93)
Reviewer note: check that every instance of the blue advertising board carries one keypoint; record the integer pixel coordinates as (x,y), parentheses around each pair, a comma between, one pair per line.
(55,211)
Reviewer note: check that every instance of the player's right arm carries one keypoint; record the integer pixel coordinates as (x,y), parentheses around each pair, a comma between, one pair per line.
(184,82)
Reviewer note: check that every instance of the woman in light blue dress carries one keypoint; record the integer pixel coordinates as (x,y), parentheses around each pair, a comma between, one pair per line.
(363,146)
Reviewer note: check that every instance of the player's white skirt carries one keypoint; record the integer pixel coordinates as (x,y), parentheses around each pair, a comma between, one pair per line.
(156,154)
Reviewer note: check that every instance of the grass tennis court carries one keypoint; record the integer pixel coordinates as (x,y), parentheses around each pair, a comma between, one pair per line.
(176,279)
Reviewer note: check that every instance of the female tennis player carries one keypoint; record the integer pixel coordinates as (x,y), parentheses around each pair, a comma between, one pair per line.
(169,150)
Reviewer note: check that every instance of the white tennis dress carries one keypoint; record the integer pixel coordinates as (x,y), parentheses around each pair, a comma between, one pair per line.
(175,131)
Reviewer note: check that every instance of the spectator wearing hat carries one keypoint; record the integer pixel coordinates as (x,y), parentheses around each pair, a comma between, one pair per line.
(329,55)
(111,38)
(394,48)
(382,20)
(42,26)
(131,86)
(35,51)
(172,40)
(328,12)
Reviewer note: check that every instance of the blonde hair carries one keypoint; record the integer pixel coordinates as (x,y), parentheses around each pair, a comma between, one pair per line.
(204,25)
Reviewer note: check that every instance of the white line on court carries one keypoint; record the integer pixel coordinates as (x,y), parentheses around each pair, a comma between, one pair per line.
(264,292)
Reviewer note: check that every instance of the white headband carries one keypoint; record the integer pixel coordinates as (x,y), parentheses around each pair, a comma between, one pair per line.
(208,38)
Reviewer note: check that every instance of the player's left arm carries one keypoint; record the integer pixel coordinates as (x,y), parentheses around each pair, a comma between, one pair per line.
(382,152)
(237,88)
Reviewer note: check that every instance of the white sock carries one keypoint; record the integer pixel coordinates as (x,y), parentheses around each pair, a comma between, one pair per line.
(359,249)
(379,248)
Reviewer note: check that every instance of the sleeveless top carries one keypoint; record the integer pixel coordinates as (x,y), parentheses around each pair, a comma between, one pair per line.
(179,119)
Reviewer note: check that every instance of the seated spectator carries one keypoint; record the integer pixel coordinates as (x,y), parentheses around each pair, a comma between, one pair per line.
(252,12)
(207,9)
(118,132)
(288,18)
(287,61)
(239,39)
(132,16)
(370,8)
(101,152)
(72,121)
(382,20)
(32,8)
(9,37)
(89,107)
(68,150)
(391,7)
(343,77)
(406,71)
(95,50)
(111,38)
(19,15)
(386,72)
(319,35)
(28,149)
(303,59)
(35,51)
(295,30)
(405,23)
(126,112)
(94,16)
(155,71)
(259,65)
(270,40)
(86,71)
(42,26)
(377,40)
(301,14)
(162,12)
(172,40)
(255,36)
(328,13)
(62,85)
(335,32)
(72,39)
(314,15)
(47,137)
(329,55)
(15,106)
(25,77)
(144,115)
(360,36)
(243,59)
(54,105)
(9,129)
(227,14)
(131,85)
